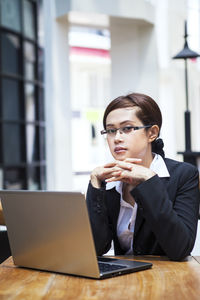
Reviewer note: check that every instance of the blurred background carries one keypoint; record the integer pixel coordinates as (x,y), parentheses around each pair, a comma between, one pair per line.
(63,61)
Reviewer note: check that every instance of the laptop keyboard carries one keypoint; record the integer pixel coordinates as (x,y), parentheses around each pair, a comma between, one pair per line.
(104,267)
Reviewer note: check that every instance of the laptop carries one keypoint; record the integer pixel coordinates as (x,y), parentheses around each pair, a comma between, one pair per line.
(51,231)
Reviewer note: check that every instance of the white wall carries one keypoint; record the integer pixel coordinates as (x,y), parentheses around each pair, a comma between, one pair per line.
(57,101)
(134,57)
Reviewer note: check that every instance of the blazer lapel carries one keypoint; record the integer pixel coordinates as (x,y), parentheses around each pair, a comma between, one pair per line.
(113,204)
(139,220)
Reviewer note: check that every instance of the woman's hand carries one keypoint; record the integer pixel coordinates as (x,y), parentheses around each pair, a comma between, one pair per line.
(131,172)
(107,171)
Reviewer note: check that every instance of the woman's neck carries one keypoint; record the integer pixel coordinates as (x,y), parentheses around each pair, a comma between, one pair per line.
(126,194)
(147,160)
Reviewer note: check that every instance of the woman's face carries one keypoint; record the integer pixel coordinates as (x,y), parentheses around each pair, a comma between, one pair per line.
(136,143)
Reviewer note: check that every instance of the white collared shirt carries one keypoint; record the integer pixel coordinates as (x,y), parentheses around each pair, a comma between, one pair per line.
(127,214)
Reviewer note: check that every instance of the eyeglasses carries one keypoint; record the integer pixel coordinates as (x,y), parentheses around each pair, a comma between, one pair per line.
(111,132)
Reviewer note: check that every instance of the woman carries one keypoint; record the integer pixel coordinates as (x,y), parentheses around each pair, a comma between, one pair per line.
(145,203)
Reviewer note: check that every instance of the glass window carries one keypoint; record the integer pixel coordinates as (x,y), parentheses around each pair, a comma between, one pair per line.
(41,65)
(29,19)
(10,53)
(22,128)
(11,99)
(40,15)
(30,102)
(12,144)
(41,104)
(43,178)
(42,143)
(34,178)
(29,64)
(32,143)
(14,179)
(10,14)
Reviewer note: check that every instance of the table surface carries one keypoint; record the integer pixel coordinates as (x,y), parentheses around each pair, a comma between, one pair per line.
(166,280)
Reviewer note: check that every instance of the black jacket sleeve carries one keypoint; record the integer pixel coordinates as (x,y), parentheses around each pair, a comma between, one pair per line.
(171,209)
(101,227)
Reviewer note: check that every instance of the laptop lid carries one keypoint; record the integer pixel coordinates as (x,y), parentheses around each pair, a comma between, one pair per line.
(51,231)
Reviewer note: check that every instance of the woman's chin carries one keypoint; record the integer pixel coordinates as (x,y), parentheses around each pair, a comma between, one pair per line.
(123,156)
(120,156)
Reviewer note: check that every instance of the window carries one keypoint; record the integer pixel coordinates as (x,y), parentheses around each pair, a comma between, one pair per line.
(14,178)
(29,19)
(10,53)
(10,99)
(11,14)
(29,61)
(12,137)
(22,118)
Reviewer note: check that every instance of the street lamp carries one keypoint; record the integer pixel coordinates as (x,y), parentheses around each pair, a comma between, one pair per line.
(188,154)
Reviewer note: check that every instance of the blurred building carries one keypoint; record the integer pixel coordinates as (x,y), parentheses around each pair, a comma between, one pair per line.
(94,52)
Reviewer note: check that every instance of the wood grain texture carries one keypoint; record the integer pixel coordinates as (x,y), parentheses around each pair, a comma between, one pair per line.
(166,280)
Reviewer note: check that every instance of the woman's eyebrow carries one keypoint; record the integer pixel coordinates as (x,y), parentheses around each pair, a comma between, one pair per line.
(121,123)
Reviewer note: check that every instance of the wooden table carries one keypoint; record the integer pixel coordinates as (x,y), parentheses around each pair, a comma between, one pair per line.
(166,280)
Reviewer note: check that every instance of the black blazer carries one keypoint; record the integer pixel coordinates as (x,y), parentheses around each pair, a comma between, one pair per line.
(167,214)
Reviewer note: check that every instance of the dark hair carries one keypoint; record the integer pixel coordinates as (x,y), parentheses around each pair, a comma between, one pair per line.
(149,113)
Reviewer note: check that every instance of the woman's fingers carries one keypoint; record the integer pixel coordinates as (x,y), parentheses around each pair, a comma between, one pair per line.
(110,172)
(124,176)
(114,173)
(114,177)
(125,165)
(110,165)
(130,171)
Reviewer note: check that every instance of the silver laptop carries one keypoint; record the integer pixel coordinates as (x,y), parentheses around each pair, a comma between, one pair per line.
(51,231)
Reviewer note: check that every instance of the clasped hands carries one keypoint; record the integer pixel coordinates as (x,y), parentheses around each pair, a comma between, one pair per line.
(129,171)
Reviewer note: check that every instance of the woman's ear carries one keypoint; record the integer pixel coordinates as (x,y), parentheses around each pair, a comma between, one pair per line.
(153,133)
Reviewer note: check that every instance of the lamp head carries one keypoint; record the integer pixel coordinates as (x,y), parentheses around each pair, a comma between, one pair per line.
(186,52)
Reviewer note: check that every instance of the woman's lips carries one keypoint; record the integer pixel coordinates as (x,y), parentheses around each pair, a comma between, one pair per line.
(119,150)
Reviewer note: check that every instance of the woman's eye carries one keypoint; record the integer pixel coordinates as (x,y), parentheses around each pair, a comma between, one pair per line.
(127,129)
(111,131)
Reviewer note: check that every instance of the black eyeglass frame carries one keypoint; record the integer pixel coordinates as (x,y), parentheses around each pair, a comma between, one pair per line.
(104,131)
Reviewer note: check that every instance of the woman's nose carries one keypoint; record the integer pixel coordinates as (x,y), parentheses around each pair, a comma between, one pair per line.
(118,136)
